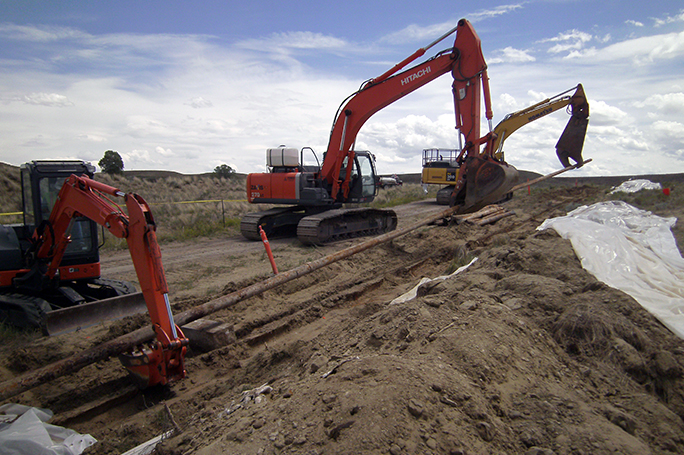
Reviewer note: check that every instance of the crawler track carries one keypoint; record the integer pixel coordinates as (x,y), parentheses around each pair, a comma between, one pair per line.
(318,226)
(341,224)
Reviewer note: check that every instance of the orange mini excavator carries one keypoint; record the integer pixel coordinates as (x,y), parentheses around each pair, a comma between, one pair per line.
(39,270)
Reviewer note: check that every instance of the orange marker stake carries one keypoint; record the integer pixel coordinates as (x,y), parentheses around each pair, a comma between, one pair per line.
(268,250)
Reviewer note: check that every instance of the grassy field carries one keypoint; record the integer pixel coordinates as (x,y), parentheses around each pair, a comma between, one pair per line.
(185,206)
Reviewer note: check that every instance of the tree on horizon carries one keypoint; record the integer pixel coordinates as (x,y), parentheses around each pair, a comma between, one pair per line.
(111,163)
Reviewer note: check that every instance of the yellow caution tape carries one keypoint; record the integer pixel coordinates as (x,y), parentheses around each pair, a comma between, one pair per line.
(195,202)
(159,203)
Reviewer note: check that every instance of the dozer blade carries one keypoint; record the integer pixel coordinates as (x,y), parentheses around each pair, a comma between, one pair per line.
(81,316)
(488,181)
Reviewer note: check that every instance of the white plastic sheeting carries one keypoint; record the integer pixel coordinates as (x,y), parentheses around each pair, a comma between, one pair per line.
(23,431)
(631,250)
(410,295)
(633,186)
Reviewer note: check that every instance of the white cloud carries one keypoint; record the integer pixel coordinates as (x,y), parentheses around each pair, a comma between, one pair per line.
(584,53)
(142,126)
(163,152)
(39,34)
(644,50)
(507,103)
(47,99)
(139,156)
(497,11)
(294,40)
(634,23)
(92,138)
(669,19)
(199,103)
(668,103)
(403,140)
(511,55)
(603,114)
(419,33)
(670,134)
(604,39)
(572,40)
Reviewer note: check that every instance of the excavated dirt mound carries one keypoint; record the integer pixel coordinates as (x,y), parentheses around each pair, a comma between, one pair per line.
(522,353)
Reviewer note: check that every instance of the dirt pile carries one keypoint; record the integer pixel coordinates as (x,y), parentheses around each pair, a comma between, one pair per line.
(523,352)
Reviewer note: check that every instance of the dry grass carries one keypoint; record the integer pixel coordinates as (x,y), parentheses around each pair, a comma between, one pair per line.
(10,193)
(587,329)
(399,195)
(187,207)
(184,206)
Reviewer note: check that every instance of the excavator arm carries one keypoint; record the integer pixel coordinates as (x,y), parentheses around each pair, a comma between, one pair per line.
(569,145)
(82,196)
(469,70)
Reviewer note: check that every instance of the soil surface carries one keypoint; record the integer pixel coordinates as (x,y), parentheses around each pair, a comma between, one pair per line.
(522,353)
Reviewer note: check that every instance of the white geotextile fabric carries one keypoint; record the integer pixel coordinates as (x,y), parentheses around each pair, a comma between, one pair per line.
(633,186)
(631,250)
(23,431)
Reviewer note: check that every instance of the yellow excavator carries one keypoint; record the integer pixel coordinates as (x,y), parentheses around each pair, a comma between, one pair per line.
(443,166)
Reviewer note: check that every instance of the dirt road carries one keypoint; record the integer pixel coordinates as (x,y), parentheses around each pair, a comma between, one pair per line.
(203,262)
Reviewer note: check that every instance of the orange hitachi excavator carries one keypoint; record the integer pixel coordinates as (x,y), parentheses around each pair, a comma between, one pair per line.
(316,193)
(80,196)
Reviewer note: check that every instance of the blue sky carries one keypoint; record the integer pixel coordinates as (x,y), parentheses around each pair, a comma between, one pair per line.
(188,86)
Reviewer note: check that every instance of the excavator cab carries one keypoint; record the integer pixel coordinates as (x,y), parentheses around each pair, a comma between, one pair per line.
(41,182)
(363,178)
(28,297)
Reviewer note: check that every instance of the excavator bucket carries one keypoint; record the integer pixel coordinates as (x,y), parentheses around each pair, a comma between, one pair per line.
(572,140)
(487,181)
